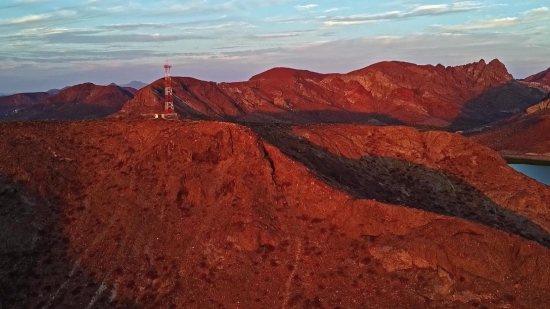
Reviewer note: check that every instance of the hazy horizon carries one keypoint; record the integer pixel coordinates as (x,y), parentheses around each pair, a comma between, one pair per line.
(52,44)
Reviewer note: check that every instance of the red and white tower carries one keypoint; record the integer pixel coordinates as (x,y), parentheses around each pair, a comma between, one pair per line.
(168,95)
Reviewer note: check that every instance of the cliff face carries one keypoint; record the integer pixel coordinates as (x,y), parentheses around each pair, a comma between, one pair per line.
(387,92)
(84,101)
(158,214)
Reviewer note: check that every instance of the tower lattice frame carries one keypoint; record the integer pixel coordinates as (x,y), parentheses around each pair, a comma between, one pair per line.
(168,93)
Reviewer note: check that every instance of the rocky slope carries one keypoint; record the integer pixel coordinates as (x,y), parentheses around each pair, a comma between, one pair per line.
(523,134)
(541,78)
(386,92)
(84,101)
(170,214)
(10,105)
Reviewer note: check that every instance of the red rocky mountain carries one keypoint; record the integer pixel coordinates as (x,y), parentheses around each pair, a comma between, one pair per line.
(84,101)
(206,214)
(542,78)
(386,92)
(525,134)
(12,104)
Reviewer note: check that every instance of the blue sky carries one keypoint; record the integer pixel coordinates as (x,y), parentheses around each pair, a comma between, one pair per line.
(51,44)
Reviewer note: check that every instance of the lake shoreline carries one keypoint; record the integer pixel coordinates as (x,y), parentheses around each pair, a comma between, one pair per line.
(527,159)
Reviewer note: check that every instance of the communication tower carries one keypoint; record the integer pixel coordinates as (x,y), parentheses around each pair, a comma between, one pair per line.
(168,94)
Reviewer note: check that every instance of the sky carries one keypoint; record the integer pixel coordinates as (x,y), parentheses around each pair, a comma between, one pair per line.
(52,44)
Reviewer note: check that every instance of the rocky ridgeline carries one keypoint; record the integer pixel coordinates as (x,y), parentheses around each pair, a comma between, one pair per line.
(389,92)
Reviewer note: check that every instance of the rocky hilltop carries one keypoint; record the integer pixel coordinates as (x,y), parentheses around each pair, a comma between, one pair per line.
(386,92)
(12,104)
(84,101)
(172,214)
(541,77)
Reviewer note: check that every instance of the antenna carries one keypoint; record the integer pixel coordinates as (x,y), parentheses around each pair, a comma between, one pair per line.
(168,94)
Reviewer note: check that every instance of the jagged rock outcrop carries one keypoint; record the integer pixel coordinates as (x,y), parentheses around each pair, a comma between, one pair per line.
(542,106)
(386,92)
(207,214)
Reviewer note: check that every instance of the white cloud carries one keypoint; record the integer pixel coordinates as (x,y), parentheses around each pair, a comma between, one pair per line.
(430,8)
(415,11)
(25,19)
(278,35)
(532,17)
(336,9)
(538,11)
(305,7)
(486,24)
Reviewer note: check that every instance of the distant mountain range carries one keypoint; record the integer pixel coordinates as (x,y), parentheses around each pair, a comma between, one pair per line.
(134,84)
(387,93)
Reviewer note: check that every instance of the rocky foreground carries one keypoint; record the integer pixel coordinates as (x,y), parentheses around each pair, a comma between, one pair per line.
(159,214)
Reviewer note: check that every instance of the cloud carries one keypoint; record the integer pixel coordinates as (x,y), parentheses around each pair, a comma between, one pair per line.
(335,9)
(542,11)
(288,20)
(25,19)
(486,24)
(415,11)
(134,26)
(532,17)
(278,35)
(306,7)
(62,36)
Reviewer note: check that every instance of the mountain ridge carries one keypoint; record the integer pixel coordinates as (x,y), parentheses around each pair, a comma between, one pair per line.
(424,95)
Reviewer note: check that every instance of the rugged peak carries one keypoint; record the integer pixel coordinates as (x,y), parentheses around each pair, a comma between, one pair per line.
(497,68)
(494,72)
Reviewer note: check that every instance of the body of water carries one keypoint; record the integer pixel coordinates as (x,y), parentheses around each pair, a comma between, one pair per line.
(537,172)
